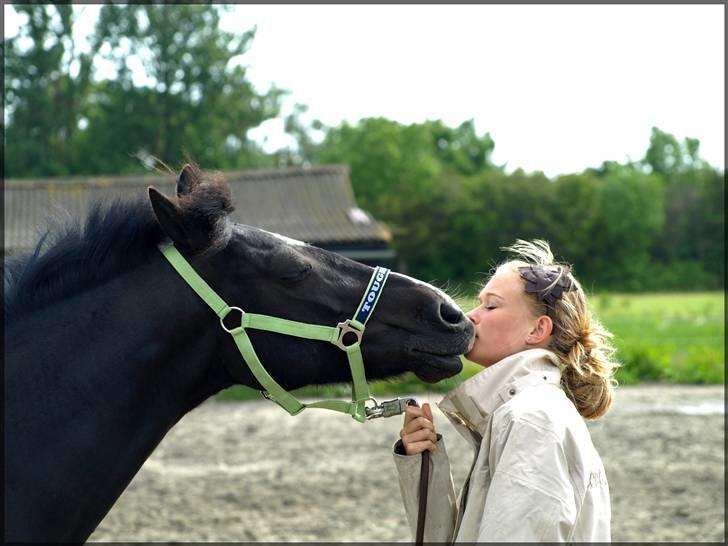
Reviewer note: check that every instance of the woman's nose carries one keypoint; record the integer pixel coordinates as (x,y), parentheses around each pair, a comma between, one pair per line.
(472,316)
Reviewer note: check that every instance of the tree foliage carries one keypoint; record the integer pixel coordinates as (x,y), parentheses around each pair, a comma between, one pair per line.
(180,90)
(46,80)
(651,225)
(195,99)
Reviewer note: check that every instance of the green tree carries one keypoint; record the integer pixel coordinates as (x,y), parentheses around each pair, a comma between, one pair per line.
(414,177)
(690,250)
(667,156)
(305,147)
(46,80)
(691,246)
(574,217)
(630,216)
(196,101)
(389,162)
(460,148)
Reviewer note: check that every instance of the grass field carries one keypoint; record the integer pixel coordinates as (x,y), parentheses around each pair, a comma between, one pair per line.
(671,338)
(678,338)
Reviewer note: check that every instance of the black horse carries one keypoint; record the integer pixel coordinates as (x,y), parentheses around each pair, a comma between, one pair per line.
(107,347)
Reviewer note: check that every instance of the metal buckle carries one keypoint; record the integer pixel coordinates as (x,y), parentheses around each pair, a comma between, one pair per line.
(222,318)
(345,328)
(389,408)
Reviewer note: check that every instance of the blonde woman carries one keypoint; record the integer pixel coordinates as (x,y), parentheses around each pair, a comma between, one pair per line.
(536,475)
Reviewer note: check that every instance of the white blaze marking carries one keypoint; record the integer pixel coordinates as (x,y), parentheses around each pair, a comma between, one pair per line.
(294,242)
(435,288)
(289,240)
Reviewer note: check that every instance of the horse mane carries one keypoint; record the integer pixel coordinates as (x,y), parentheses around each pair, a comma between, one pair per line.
(68,258)
(116,237)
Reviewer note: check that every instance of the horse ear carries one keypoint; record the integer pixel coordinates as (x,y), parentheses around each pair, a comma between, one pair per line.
(188,178)
(168,215)
(190,231)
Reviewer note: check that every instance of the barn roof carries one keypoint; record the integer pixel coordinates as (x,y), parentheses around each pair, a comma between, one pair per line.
(313,204)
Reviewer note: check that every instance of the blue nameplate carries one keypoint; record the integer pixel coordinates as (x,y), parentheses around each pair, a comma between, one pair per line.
(379,277)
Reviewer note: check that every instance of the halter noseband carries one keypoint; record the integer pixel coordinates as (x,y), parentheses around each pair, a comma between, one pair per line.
(273,391)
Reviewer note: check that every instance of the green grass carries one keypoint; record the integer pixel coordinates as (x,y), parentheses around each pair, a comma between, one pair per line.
(675,338)
(671,338)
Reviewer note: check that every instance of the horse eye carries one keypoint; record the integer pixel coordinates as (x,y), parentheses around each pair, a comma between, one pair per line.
(298,274)
(288,265)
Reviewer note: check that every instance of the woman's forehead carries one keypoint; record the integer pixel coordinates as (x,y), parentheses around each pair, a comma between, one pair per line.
(505,282)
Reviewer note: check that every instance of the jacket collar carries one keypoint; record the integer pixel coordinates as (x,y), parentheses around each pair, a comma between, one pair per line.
(470,405)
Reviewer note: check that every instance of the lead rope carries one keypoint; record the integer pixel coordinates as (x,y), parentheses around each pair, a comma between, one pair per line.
(397,407)
(424,477)
(424,480)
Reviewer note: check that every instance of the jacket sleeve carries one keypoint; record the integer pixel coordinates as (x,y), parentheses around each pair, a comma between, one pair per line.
(530,498)
(441,502)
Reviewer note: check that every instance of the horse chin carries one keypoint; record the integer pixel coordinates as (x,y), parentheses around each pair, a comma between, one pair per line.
(436,368)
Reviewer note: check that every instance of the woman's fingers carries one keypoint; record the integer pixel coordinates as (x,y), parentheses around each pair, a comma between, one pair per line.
(427,411)
(420,435)
(412,412)
(418,447)
(417,424)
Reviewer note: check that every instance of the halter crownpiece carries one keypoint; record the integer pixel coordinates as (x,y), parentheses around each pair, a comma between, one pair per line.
(548,283)
(336,335)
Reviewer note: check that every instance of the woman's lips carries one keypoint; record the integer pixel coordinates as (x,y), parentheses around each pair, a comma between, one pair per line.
(471,344)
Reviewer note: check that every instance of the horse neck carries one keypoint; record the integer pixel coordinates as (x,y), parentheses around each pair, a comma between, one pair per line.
(108,372)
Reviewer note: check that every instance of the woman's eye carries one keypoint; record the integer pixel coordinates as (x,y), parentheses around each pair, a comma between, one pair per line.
(490,307)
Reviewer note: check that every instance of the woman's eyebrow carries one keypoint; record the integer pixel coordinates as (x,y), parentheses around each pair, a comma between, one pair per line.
(484,295)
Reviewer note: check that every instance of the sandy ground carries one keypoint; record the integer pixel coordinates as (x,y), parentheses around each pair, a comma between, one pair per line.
(249,472)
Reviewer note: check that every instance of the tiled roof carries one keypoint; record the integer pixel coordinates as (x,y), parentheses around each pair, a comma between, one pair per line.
(313,204)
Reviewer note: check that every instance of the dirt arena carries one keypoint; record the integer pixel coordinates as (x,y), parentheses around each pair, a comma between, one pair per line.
(248,472)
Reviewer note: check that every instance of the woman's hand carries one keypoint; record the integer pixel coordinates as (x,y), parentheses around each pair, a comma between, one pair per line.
(418,433)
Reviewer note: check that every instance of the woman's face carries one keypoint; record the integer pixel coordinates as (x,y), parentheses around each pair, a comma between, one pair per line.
(502,320)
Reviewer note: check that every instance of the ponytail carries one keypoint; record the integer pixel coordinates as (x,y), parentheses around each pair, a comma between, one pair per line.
(580,342)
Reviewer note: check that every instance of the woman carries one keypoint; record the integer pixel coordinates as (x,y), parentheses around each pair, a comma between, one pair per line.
(536,475)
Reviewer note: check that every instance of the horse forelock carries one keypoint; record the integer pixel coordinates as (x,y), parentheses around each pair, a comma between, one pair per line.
(72,257)
(208,206)
(211,197)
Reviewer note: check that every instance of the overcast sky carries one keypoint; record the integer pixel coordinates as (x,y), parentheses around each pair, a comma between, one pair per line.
(559,87)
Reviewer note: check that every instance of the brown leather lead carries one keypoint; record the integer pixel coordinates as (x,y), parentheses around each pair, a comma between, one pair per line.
(424,478)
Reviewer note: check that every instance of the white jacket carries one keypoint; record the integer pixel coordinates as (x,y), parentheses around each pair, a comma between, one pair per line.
(536,475)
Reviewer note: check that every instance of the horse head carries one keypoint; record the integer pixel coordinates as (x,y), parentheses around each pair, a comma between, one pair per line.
(415,326)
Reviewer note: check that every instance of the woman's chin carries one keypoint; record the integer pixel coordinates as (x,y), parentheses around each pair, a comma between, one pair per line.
(471,357)
(479,359)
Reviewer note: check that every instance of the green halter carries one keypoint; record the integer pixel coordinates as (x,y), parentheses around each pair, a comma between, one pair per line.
(272,390)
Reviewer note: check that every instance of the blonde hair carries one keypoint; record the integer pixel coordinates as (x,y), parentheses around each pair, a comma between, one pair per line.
(578,339)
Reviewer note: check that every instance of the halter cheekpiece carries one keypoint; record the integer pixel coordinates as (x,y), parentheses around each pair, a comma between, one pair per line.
(346,335)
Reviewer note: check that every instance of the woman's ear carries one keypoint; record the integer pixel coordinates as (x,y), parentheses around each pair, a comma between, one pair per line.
(541,330)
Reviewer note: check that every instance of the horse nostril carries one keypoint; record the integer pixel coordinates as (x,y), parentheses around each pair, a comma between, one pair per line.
(450,314)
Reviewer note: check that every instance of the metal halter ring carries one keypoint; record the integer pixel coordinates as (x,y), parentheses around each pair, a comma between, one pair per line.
(227,312)
(345,328)
(372,411)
